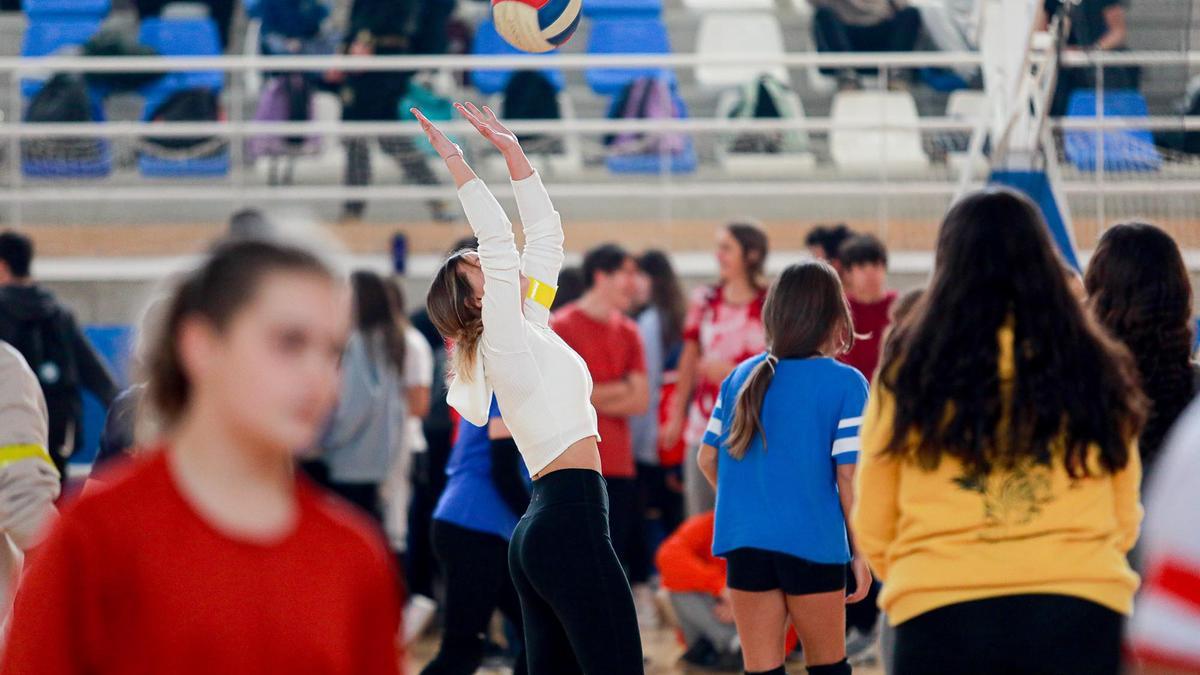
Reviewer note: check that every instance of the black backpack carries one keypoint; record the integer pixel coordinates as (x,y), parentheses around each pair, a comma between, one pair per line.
(46,344)
(529,95)
(188,105)
(110,42)
(63,98)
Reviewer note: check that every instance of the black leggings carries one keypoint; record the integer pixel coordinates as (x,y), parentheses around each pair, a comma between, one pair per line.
(477,583)
(1028,634)
(625,526)
(575,599)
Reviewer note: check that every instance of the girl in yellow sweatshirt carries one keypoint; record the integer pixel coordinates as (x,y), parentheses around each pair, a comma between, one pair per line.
(998,477)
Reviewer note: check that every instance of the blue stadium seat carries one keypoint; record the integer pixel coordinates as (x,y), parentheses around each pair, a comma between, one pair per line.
(44,37)
(626,36)
(200,167)
(682,162)
(489,43)
(611,9)
(181,37)
(96,9)
(114,343)
(1124,149)
(58,168)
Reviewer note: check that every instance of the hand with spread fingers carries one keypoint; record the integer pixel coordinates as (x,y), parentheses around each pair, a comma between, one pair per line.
(446,148)
(490,127)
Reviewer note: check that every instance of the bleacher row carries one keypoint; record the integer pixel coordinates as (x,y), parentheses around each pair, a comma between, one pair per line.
(616,27)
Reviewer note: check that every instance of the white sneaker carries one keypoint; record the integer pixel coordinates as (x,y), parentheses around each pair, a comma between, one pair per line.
(647,608)
(418,614)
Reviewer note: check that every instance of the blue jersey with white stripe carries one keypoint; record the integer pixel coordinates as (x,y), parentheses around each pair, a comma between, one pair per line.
(785,498)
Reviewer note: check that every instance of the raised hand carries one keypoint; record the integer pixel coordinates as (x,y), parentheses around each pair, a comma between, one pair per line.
(445,147)
(490,127)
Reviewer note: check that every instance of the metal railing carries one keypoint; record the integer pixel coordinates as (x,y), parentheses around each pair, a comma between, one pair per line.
(242,185)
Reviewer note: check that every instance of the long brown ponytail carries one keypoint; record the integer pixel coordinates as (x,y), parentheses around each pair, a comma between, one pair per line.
(453,312)
(805,314)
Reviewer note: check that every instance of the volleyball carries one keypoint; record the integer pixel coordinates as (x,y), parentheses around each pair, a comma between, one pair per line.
(536,25)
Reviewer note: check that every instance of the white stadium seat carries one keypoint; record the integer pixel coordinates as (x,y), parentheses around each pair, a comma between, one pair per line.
(739,33)
(871,152)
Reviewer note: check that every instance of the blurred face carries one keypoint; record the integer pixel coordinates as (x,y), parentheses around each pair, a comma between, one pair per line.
(865,282)
(818,253)
(619,288)
(731,264)
(642,285)
(274,373)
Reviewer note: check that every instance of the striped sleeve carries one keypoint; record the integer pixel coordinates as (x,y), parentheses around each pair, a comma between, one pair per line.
(1165,628)
(846,441)
(717,431)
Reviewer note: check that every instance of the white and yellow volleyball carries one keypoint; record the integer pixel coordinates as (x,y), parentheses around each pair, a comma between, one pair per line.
(536,25)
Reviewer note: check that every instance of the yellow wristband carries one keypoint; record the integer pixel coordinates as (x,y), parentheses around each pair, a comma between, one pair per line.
(13,453)
(542,293)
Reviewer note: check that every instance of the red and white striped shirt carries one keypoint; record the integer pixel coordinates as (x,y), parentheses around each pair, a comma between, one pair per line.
(1165,629)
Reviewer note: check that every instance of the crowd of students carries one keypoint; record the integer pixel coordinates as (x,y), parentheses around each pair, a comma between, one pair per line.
(966,459)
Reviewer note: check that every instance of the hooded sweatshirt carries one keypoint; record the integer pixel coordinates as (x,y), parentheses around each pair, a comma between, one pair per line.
(26,309)
(359,443)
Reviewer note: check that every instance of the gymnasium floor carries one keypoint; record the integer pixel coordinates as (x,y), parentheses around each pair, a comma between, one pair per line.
(660,646)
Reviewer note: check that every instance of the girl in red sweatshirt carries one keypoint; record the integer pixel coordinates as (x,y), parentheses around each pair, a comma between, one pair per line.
(208,554)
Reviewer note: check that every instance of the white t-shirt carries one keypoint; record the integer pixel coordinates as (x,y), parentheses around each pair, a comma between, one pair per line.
(418,372)
(397,490)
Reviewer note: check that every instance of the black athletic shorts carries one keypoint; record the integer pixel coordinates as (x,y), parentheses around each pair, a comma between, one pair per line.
(755,570)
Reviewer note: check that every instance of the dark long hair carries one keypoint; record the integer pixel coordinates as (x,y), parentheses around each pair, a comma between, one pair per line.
(1073,385)
(216,291)
(666,295)
(1138,287)
(375,316)
(755,246)
(805,310)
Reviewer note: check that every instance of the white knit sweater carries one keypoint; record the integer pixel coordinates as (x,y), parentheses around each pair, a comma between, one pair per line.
(542,386)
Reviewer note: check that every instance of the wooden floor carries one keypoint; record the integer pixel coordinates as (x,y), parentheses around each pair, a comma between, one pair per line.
(661,649)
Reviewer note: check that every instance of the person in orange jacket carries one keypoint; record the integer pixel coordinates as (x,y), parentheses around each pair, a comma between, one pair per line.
(695,580)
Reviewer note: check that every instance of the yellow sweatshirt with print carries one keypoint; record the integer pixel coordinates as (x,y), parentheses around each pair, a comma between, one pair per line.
(941,537)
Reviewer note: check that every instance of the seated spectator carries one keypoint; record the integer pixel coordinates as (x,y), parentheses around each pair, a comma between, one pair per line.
(293,26)
(864,26)
(1091,25)
(953,25)
(221,12)
(864,274)
(695,580)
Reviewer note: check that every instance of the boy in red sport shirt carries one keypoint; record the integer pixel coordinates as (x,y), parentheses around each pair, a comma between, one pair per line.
(863,261)
(598,328)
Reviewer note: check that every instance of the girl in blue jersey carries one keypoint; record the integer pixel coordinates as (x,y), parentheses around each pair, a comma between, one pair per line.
(780,451)
(486,493)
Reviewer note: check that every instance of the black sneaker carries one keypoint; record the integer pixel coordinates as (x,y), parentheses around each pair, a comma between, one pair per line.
(701,654)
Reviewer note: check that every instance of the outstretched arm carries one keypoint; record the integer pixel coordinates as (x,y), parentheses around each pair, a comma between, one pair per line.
(542,258)
(498,259)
